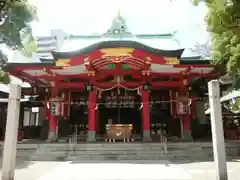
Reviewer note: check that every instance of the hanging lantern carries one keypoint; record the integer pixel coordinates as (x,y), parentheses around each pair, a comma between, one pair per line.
(114,102)
(46,90)
(108,102)
(183,105)
(34,89)
(89,87)
(63,96)
(112,93)
(147,87)
(99,94)
(139,92)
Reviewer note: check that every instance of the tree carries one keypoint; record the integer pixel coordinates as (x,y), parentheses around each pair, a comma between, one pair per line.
(15,30)
(204,50)
(15,16)
(4,77)
(223,21)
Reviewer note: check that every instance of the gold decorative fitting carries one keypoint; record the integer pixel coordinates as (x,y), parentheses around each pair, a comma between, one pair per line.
(146,72)
(91,73)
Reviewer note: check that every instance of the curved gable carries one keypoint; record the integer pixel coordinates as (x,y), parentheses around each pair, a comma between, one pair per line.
(119,44)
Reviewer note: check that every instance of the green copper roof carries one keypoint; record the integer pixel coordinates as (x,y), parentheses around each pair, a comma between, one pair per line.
(120,30)
(119,27)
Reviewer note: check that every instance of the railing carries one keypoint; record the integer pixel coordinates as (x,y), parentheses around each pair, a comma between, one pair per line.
(163,141)
(232,134)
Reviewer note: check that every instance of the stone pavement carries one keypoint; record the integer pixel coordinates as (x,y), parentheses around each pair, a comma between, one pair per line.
(127,170)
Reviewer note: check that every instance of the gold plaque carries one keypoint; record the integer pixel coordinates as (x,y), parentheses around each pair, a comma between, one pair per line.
(171,60)
(117,52)
(63,62)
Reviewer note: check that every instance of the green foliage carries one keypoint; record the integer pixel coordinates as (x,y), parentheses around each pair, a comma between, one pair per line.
(223,20)
(4,77)
(233,106)
(15,30)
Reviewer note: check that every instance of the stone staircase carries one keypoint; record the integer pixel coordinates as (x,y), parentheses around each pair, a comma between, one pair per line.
(117,151)
(120,151)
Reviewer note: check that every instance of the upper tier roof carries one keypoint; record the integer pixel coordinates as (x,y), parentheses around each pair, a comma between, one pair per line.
(119,44)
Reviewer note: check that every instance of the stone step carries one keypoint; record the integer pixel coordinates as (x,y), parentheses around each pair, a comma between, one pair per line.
(74,157)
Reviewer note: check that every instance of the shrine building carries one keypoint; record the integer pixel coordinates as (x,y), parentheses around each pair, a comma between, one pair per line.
(116,82)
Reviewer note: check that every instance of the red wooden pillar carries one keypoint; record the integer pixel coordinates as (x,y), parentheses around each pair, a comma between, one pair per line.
(52,133)
(145,116)
(186,119)
(52,126)
(91,117)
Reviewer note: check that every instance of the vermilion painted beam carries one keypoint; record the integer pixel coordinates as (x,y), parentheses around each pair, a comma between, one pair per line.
(21,68)
(37,81)
(167,84)
(16,74)
(77,85)
(193,65)
(62,77)
(102,75)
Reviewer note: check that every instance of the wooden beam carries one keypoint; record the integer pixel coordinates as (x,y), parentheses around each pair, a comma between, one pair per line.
(78,85)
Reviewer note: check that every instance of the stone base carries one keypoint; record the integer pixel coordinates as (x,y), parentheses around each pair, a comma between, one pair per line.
(91,136)
(52,136)
(187,135)
(146,136)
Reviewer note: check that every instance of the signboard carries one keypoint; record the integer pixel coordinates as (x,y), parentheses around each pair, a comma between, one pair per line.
(119,102)
(171,60)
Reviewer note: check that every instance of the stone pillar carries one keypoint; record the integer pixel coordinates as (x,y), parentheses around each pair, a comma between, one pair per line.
(91,137)
(145,116)
(10,143)
(217,130)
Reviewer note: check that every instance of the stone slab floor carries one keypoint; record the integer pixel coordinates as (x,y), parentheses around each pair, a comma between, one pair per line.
(124,170)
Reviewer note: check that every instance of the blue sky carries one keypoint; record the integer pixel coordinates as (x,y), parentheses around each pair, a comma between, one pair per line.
(142,16)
